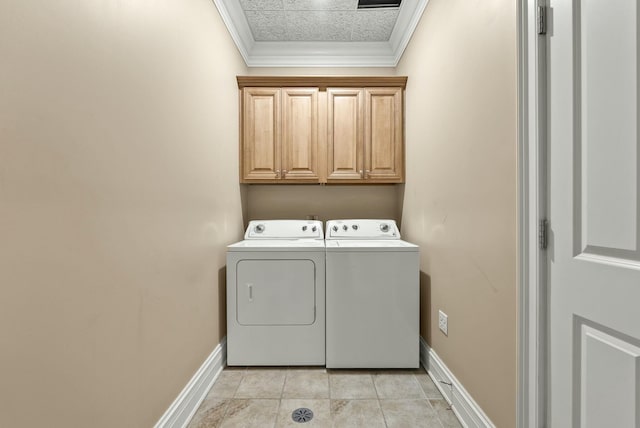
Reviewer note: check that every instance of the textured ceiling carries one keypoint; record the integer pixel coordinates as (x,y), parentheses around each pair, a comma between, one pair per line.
(319,33)
(317,20)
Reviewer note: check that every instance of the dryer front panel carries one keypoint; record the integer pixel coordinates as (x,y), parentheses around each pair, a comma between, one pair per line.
(275,292)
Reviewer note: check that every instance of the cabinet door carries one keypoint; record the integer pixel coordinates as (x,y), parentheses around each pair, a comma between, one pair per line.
(345,139)
(261,134)
(383,135)
(300,134)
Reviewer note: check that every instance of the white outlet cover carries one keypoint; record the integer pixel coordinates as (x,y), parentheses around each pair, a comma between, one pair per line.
(443,321)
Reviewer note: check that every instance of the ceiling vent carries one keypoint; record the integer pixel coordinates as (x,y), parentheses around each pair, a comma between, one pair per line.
(375,4)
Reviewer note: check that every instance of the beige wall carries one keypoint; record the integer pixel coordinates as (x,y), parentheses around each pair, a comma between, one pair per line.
(460,194)
(327,202)
(118,193)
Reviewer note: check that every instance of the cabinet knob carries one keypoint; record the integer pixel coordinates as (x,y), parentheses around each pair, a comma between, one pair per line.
(361,175)
(277,173)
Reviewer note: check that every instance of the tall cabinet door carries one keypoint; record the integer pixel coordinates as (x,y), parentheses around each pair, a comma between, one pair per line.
(261,134)
(383,134)
(345,136)
(300,134)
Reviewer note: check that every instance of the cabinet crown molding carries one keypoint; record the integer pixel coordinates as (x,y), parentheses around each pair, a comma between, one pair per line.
(322,82)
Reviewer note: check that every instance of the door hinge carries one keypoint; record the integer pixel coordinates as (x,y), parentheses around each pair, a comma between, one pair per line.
(542,234)
(541,20)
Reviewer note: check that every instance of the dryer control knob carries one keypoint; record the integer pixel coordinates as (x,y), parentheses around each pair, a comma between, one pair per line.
(259,228)
(384,227)
(313,229)
(345,227)
(304,228)
(355,227)
(335,228)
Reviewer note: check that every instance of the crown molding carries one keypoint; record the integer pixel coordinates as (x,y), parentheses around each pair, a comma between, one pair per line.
(321,54)
(322,81)
(407,19)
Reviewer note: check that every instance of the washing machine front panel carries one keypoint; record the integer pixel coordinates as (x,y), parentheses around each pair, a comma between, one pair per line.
(372,309)
(261,285)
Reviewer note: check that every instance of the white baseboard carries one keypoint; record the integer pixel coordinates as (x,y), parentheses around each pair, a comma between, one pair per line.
(462,404)
(179,414)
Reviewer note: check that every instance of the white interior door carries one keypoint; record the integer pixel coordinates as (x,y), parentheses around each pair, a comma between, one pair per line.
(594,253)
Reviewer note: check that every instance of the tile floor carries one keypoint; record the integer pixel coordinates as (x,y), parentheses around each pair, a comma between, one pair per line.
(266,397)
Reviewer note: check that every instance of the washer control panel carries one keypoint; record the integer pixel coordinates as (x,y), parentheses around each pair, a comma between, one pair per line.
(284,229)
(362,229)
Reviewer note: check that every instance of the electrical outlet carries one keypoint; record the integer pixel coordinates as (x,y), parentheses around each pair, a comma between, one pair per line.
(442,322)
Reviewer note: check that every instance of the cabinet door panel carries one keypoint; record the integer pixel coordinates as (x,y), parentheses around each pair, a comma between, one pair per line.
(261,134)
(383,134)
(345,139)
(300,134)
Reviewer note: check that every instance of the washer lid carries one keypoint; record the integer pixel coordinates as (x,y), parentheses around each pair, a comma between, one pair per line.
(370,245)
(284,229)
(362,229)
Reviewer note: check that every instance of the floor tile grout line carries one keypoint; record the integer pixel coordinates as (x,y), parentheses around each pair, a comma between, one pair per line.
(226,410)
(235,391)
(284,382)
(373,379)
(226,407)
(275,422)
(384,418)
(415,379)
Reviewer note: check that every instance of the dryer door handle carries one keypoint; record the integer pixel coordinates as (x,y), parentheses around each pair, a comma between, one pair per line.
(250,287)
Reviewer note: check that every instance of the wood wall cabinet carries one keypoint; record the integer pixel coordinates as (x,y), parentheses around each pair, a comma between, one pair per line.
(383,136)
(261,147)
(345,116)
(300,134)
(322,129)
(279,135)
(365,139)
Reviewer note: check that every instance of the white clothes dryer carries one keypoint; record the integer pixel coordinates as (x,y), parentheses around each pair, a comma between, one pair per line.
(276,295)
(373,296)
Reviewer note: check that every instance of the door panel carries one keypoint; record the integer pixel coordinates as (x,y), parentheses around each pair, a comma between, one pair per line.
(383,134)
(300,133)
(606,101)
(261,133)
(345,138)
(606,395)
(594,277)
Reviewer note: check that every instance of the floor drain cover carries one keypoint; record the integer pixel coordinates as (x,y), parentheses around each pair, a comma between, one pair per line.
(302,415)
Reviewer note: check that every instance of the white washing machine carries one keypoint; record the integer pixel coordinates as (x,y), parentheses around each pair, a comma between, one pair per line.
(276,295)
(373,296)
